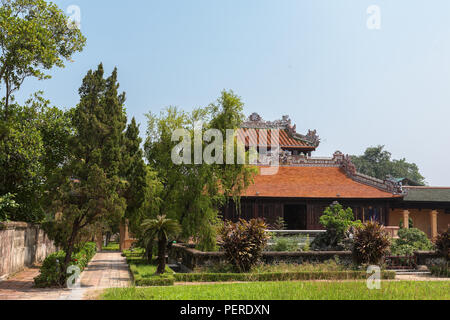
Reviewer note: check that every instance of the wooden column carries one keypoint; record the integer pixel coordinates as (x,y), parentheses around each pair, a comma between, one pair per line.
(434,223)
(406,219)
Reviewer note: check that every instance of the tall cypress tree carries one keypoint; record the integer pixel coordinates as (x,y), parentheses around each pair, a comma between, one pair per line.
(90,182)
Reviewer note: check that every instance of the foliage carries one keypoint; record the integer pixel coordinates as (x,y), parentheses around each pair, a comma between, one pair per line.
(88,188)
(35,36)
(285,244)
(145,274)
(371,244)
(289,290)
(7,202)
(409,241)
(337,221)
(279,224)
(330,265)
(112,246)
(160,229)
(191,193)
(442,243)
(440,270)
(52,272)
(32,149)
(277,276)
(243,242)
(410,222)
(376,162)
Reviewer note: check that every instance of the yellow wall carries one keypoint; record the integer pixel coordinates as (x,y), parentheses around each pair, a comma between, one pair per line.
(421,219)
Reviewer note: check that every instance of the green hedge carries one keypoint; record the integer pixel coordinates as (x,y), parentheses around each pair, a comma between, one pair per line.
(277,276)
(144,273)
(169,279)
(51,270)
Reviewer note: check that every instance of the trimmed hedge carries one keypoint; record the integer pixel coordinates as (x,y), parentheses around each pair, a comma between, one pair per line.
(277,276)
(170,279)
(144,274)
(50,272)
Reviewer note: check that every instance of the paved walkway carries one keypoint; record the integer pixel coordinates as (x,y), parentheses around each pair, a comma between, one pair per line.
(106,270)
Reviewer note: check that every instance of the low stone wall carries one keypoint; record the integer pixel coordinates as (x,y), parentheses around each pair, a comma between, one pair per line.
(427,258)
(22,245)
(192,258)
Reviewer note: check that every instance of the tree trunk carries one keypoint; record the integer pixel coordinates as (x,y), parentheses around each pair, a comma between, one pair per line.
(162,244)
(69,250)
(108,238)
(149,252)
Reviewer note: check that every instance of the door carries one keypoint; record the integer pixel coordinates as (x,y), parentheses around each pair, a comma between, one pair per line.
(295,217)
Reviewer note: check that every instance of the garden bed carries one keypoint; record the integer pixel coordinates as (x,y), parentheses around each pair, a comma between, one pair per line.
(192,258)
(144,274)
(351,290)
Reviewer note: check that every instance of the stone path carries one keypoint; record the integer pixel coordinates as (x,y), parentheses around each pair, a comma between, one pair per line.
(106,270)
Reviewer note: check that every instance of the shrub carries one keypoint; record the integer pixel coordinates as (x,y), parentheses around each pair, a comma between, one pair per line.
(243,242)
(277,276)
(410,222)
(371,243)
(410,240)
(52,273)
(442,243)
(337,221)
(441,270)
(285,244)
(279,224)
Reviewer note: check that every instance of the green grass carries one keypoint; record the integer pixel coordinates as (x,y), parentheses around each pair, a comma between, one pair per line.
(112,246)
(351,290)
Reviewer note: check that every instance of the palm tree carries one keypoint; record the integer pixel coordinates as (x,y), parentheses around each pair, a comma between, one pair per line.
(161,228)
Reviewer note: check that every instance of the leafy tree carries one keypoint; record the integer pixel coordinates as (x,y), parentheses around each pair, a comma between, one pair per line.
(89,183)
(6,202)
(409,241)
(337,221)
(376,162)
(31,150)
(191,193)
(34,36)
(162,229)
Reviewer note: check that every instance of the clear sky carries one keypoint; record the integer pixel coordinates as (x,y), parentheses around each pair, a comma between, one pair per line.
(315,60)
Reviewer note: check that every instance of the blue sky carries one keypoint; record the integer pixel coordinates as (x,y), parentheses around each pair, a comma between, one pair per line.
(314,60)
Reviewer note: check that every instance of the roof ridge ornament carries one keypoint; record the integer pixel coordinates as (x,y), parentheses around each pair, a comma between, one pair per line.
(255,121)
(349,168)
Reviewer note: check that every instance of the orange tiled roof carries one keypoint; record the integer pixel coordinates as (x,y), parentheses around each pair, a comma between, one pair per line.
(286,141)
(312,182)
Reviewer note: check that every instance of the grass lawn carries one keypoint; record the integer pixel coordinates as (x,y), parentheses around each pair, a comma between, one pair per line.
(352,290)
(112,246)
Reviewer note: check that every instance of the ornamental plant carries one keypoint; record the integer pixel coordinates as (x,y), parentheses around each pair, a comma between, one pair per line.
(409,241)
(243,242)
(371,244)
(337,221)
(442,243)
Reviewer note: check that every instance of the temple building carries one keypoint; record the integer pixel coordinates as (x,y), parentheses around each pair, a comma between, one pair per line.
(304,186)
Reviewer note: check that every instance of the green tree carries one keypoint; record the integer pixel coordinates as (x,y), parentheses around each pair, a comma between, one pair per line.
(337,221)
(32,149)
(89,186)
(34,36)
(193,193)
(376,162)
(162,229)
